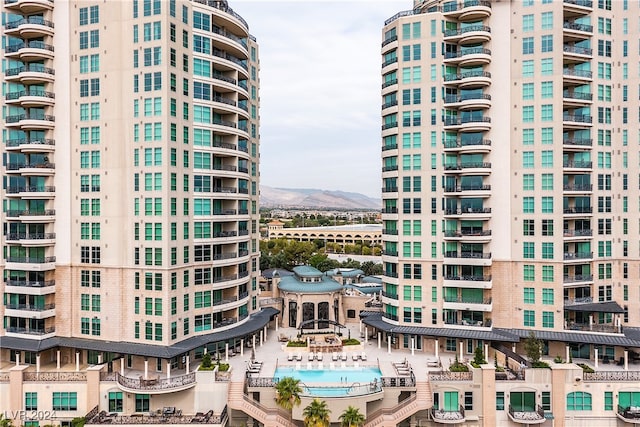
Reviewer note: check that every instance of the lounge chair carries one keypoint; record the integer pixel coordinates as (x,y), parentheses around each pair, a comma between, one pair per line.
(311,357)
(355,357)
(319,357)
(343,357)
(290,357)
(299,357)
(334,356)
(363,356)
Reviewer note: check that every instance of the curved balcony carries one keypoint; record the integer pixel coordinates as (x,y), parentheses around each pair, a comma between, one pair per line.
(476,145)
(527,415)
(35,145)
(468,258)
(469,34)
(576,121)
(389,44)
(229,41)
(28,287)
(31,239)
(30,121)
(469,56)
(469,168)
(468,191)
(468,124)
(40,333)
(442,416)
(577,256)
(573,31)
(30,74)
(389,104)
(572,99)
(30,51)
(29,6)
(30,311)
(468,10)
(34,216)
(156,386)
(629,414)
(468,235)
(468,213)
(469,101)
(31,98)
(577,144)
(30,27)
(576,76)
(34,169)
(389,189)
(389,84)
(575,54)
(577,7)
(32,192)
(470,79)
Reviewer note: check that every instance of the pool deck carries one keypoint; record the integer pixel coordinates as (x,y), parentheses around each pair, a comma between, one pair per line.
(272,355)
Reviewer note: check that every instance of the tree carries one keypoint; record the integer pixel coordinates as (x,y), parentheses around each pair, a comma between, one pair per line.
(5,422)
(351,417)
(371,268)
(533,348)
(478,356)
(288,392)
(317,414)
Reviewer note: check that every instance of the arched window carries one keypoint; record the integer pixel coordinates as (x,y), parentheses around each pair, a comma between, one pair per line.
(579,401)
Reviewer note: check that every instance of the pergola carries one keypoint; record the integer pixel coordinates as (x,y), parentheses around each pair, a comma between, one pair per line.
(311,324)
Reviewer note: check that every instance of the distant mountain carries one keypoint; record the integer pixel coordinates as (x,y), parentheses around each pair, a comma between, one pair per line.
(315,198)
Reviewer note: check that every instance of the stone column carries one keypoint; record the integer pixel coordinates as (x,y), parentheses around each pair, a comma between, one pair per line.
(77,361)
(58,359)
(437,347)
(389,345)
(276,323)
(226,352)
(568,353)
(242,347)
(461,351)
(146,368)
(122,366)
(413,346)
(379,339)
(17,358)
(595,354)
(626,360)
(187,363)
(168,369)
(38,362)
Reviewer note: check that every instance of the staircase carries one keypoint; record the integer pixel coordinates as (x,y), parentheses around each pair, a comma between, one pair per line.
(267,416)
(391,417)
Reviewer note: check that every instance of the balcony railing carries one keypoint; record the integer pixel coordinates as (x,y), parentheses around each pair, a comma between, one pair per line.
(31,331)
(390,295)
(455,121)
(468,255)
(54,376)
(389,40)
(460,188)
(467,75)
(34,44)
(389,210)
(577,95)
(572,25)
(466,143)
(467,51)
(580,118)
(31,260)
(527,414)
(467,233)
(577,233)
(25,141)
(582,164)
(577,278)
(568,48)
(594,327)
(464,300)
(578,210)
(30,307)
(10,96)
(577,187)
(390,316)
(392,232)
(611,376)
(468,278)
(31,236)
(32,116)
(469,29)
(16,213)
(30,68)
(467,211)
(31,189)
(448,99)
(578,141)
(577,255)
(450,376)
(584,3)
(467,165)
(578,301)
(178,381)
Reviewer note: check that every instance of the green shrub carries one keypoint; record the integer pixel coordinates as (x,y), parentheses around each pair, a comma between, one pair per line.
(539,364)
(223,367)
(558,359)
(456,366)
(297,344)
(586,368)
(351,341)
(206,361)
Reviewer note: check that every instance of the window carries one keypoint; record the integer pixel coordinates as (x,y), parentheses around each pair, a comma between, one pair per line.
(547,296)
(608,401)
(579,401)
(529,296)
(499,400)
(115,401)
(547,43)
(547,250)
(65,401)
(527,22)
(527,91)
(527,68)
(527,113)
(528,250)
(528,227)
(142,403)
(547,319)
(527,45)
(528,205)
(528,273)
(31,401)
(529,318)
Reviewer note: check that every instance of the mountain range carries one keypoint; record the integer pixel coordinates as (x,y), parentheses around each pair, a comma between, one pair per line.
(271,197)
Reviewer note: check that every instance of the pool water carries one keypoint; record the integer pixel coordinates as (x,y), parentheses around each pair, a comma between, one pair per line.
(348,376)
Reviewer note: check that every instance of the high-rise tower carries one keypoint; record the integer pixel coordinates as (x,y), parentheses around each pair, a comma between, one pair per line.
(509,178)
(130,179)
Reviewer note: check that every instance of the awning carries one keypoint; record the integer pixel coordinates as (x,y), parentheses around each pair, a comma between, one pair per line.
(256,322)
(596,307)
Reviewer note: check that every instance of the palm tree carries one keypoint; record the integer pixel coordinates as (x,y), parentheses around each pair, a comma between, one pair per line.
(351,417)
(5,422)
(316,414)
(288,394)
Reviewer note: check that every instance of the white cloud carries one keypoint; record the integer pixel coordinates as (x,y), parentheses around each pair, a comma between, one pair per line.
(320,90)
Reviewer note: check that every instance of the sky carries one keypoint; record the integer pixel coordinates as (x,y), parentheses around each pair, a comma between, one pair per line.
(320,89)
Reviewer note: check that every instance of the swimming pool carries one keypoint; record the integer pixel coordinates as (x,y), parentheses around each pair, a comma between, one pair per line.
(338,382)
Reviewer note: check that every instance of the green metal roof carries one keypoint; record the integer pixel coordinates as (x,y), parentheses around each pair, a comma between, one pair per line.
(307,271)
(292,284)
